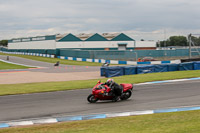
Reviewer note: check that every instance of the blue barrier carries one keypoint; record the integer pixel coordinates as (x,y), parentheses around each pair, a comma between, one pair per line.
(122,62)
(145,69)
(161,68)
(173,67)
(4,125)
(197,65)
(186,66)
(130,70)
(103,71)
(114,71)
(142,63)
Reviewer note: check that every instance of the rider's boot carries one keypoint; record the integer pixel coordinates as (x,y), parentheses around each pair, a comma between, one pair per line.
(115,98)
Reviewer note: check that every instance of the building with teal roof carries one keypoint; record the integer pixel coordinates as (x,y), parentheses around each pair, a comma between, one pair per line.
(95,41)
(37,42)
(87,41)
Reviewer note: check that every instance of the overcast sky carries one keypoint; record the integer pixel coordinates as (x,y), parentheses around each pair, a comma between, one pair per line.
(140,19)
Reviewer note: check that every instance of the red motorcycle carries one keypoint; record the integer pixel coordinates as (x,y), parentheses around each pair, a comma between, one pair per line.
(103,92)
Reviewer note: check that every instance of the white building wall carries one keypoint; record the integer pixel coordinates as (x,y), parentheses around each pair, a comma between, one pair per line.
(145,44)
(69,45)
(83,44)
(52,44)
(96,44)
(115,43)
(47,44)
(93,44)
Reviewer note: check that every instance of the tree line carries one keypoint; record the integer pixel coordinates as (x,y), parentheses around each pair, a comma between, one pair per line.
(4,43)
(178,41)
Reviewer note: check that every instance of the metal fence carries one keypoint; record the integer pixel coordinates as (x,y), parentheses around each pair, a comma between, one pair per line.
(124,55)
(108,55)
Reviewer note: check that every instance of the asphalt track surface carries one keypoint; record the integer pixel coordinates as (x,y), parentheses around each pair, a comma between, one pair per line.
(69,103)
(48,67)
(46,72)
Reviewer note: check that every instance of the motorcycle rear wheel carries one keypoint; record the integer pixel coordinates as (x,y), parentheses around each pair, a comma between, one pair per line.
(91,98)
(126,95)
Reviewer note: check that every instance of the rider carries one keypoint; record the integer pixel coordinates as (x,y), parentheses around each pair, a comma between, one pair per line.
(115,88)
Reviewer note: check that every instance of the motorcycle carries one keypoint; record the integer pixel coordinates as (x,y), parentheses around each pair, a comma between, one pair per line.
(102,92)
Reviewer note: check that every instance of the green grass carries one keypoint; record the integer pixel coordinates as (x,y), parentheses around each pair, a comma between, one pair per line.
(178,122)
(11,89)
(54,60)
(4,66)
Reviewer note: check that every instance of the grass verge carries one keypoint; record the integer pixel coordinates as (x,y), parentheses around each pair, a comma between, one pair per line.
(4,66)
(178,122)
(11,89)
(54,60)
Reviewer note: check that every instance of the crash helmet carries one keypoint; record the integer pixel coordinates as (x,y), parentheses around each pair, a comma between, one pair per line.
(110,81)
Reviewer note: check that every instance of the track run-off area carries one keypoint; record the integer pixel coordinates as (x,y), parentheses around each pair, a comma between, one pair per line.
(74,102)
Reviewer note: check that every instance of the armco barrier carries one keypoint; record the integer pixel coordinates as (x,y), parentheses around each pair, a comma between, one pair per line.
(31,54)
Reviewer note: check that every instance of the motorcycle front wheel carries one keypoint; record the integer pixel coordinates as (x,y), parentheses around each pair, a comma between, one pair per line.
(92,99)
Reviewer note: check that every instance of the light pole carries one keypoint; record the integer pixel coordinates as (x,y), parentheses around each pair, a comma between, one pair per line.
(189,39)
(136,56)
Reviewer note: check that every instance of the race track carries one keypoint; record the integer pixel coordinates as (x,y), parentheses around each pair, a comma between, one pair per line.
(48,67)
(67,103)
(46,72)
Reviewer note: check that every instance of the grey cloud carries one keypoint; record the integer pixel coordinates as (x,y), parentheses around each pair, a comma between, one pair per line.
(98,15)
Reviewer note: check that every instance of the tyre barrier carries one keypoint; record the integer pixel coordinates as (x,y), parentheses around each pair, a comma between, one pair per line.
(142,69)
